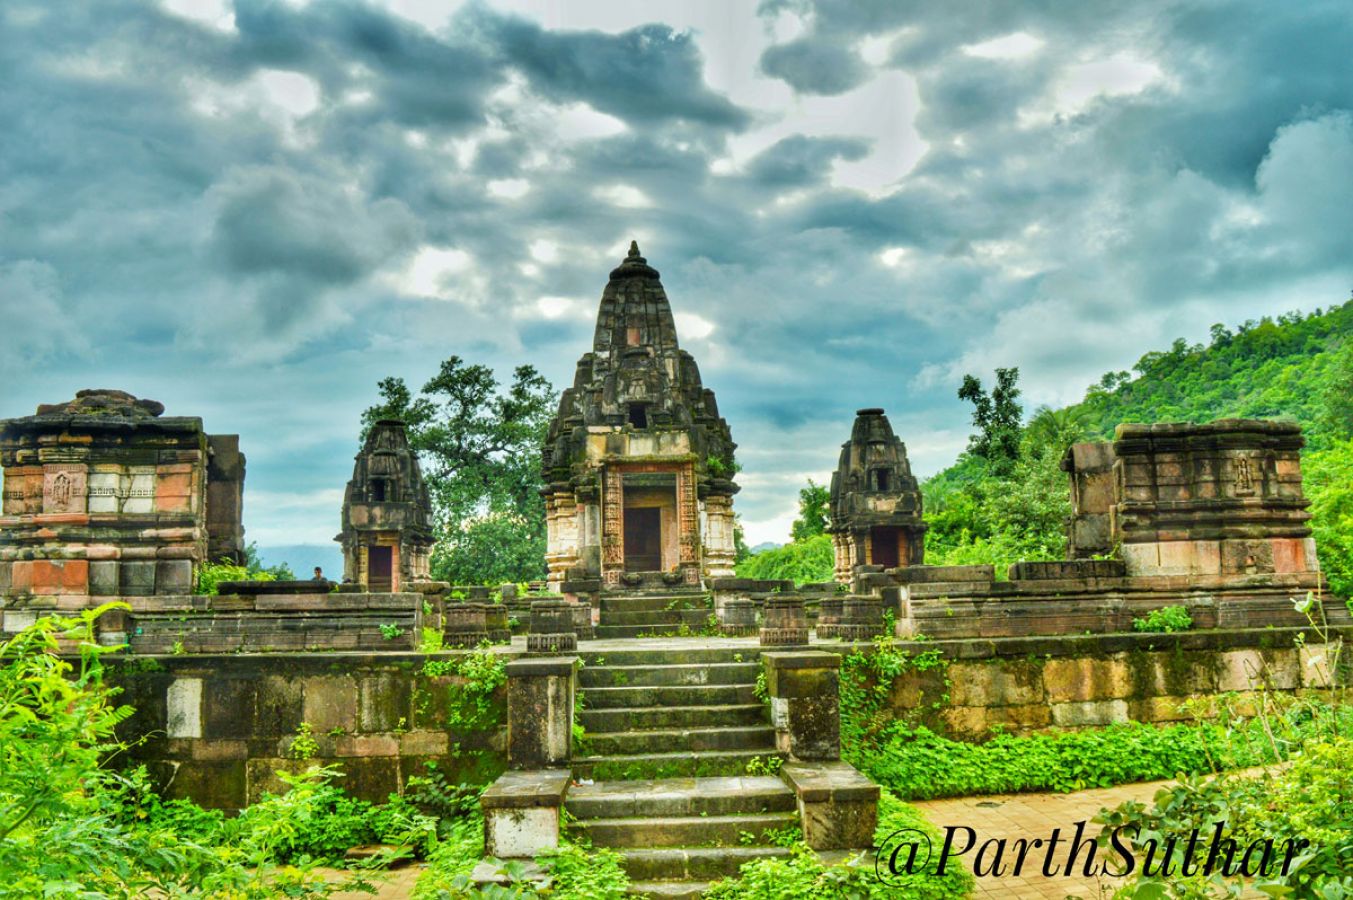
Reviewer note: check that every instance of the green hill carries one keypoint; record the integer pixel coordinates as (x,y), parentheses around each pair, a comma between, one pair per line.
(1297,367)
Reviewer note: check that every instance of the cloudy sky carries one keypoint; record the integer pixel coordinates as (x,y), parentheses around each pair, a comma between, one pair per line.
(254,210)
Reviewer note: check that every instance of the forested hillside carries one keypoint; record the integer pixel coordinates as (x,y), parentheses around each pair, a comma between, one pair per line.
(1005,498)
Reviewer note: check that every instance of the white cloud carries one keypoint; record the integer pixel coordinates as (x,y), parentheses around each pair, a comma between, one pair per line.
(624,195)
(430,271)
(1012,46)
(509,188)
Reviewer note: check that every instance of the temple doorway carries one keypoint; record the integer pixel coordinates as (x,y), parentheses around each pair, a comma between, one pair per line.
(380,570)
(643,539)
(884,542)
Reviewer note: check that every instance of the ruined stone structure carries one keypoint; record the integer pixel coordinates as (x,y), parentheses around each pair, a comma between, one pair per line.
(386,536)
(105,497)
(1223,498)
(875,512)
(638,464)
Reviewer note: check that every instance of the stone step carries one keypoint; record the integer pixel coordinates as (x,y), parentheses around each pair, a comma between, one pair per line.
(653,630)
(667,890)
(623,743)
(669,695)
(685,831)
(694,619)
(690,865)
(658,655)
(640,718)
(685,764)
(680,797)
(666,674)
(651,602)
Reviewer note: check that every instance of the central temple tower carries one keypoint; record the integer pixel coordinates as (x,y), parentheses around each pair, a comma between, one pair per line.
(638,464)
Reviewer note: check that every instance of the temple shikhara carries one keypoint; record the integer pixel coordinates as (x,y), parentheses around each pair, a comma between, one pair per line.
(638,464)
(701,749)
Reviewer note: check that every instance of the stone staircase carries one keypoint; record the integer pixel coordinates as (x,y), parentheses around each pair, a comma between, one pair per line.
(669,736)
(632,614)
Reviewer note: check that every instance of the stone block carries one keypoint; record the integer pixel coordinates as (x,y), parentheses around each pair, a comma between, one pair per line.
(1246,557)
(103,578)
(1315,662)
(1002,683)
(1090,712)
(228,710)
(424,743)
(60,577)
(330,701)
(521,812)
(212,783)
(1141,559)
(363,745)
(1087,678)
(1172,674)
(174,576)
(184,708)
(384,701)
(136,578)
(838,806)
(1159,709)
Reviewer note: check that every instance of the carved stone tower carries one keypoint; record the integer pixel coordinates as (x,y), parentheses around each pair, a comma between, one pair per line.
(386,534)
(875,513)
(638,464)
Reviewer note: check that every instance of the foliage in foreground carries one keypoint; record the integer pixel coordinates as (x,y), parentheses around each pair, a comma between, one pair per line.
(803,877)
(1310,800)
(71,828)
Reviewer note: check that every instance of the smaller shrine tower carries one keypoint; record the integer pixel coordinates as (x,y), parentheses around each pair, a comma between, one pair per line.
(387,536)
(875,511)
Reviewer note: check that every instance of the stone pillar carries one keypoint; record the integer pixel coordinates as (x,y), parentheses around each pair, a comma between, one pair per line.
(561,528)
(720,549)
(785,624)
(522,811)
(464,624)
(804,688)
(552,629)
(540,699)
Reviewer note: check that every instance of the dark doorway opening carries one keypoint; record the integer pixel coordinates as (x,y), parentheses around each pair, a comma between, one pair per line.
(380,571)
(639,415)
(881,479)
(883,542)
(643,539)
(378,490)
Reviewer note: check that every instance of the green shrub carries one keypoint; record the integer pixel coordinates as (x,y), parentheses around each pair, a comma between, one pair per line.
(1166,619)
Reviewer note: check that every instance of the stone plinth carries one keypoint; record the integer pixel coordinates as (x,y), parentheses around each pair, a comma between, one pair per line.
(838,806)
(552,628)
(522,811)
(829,616)
(784,622)
(861,618)
(738,617)
(582,621)
(496,623)
(464,624)
(804,688)
(540,698)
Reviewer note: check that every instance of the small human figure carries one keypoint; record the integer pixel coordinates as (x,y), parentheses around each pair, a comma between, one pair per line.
(319,575)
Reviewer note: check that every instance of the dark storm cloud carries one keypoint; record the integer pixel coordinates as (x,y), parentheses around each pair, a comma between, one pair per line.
(812,67)
(255,222)
(644,75)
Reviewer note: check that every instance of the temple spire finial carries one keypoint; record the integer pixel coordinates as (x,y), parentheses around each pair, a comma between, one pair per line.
(634,250)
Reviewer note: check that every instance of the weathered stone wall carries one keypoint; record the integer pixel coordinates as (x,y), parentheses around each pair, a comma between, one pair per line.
(217,728)
(1028,684)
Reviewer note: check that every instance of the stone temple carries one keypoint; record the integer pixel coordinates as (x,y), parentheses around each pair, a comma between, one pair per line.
(875,508)
(638,464)
(386,536)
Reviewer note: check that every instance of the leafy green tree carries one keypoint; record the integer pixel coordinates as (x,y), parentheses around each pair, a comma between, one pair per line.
(997,418)
(812,520)
(1054,430)
(479,444)
(803,562)
(1336,413)
(1329,485)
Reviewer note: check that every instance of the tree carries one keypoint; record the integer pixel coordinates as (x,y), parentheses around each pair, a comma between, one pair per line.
(1336,413)
(1053,430)
(812,520)
(996,417)
(479,446)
